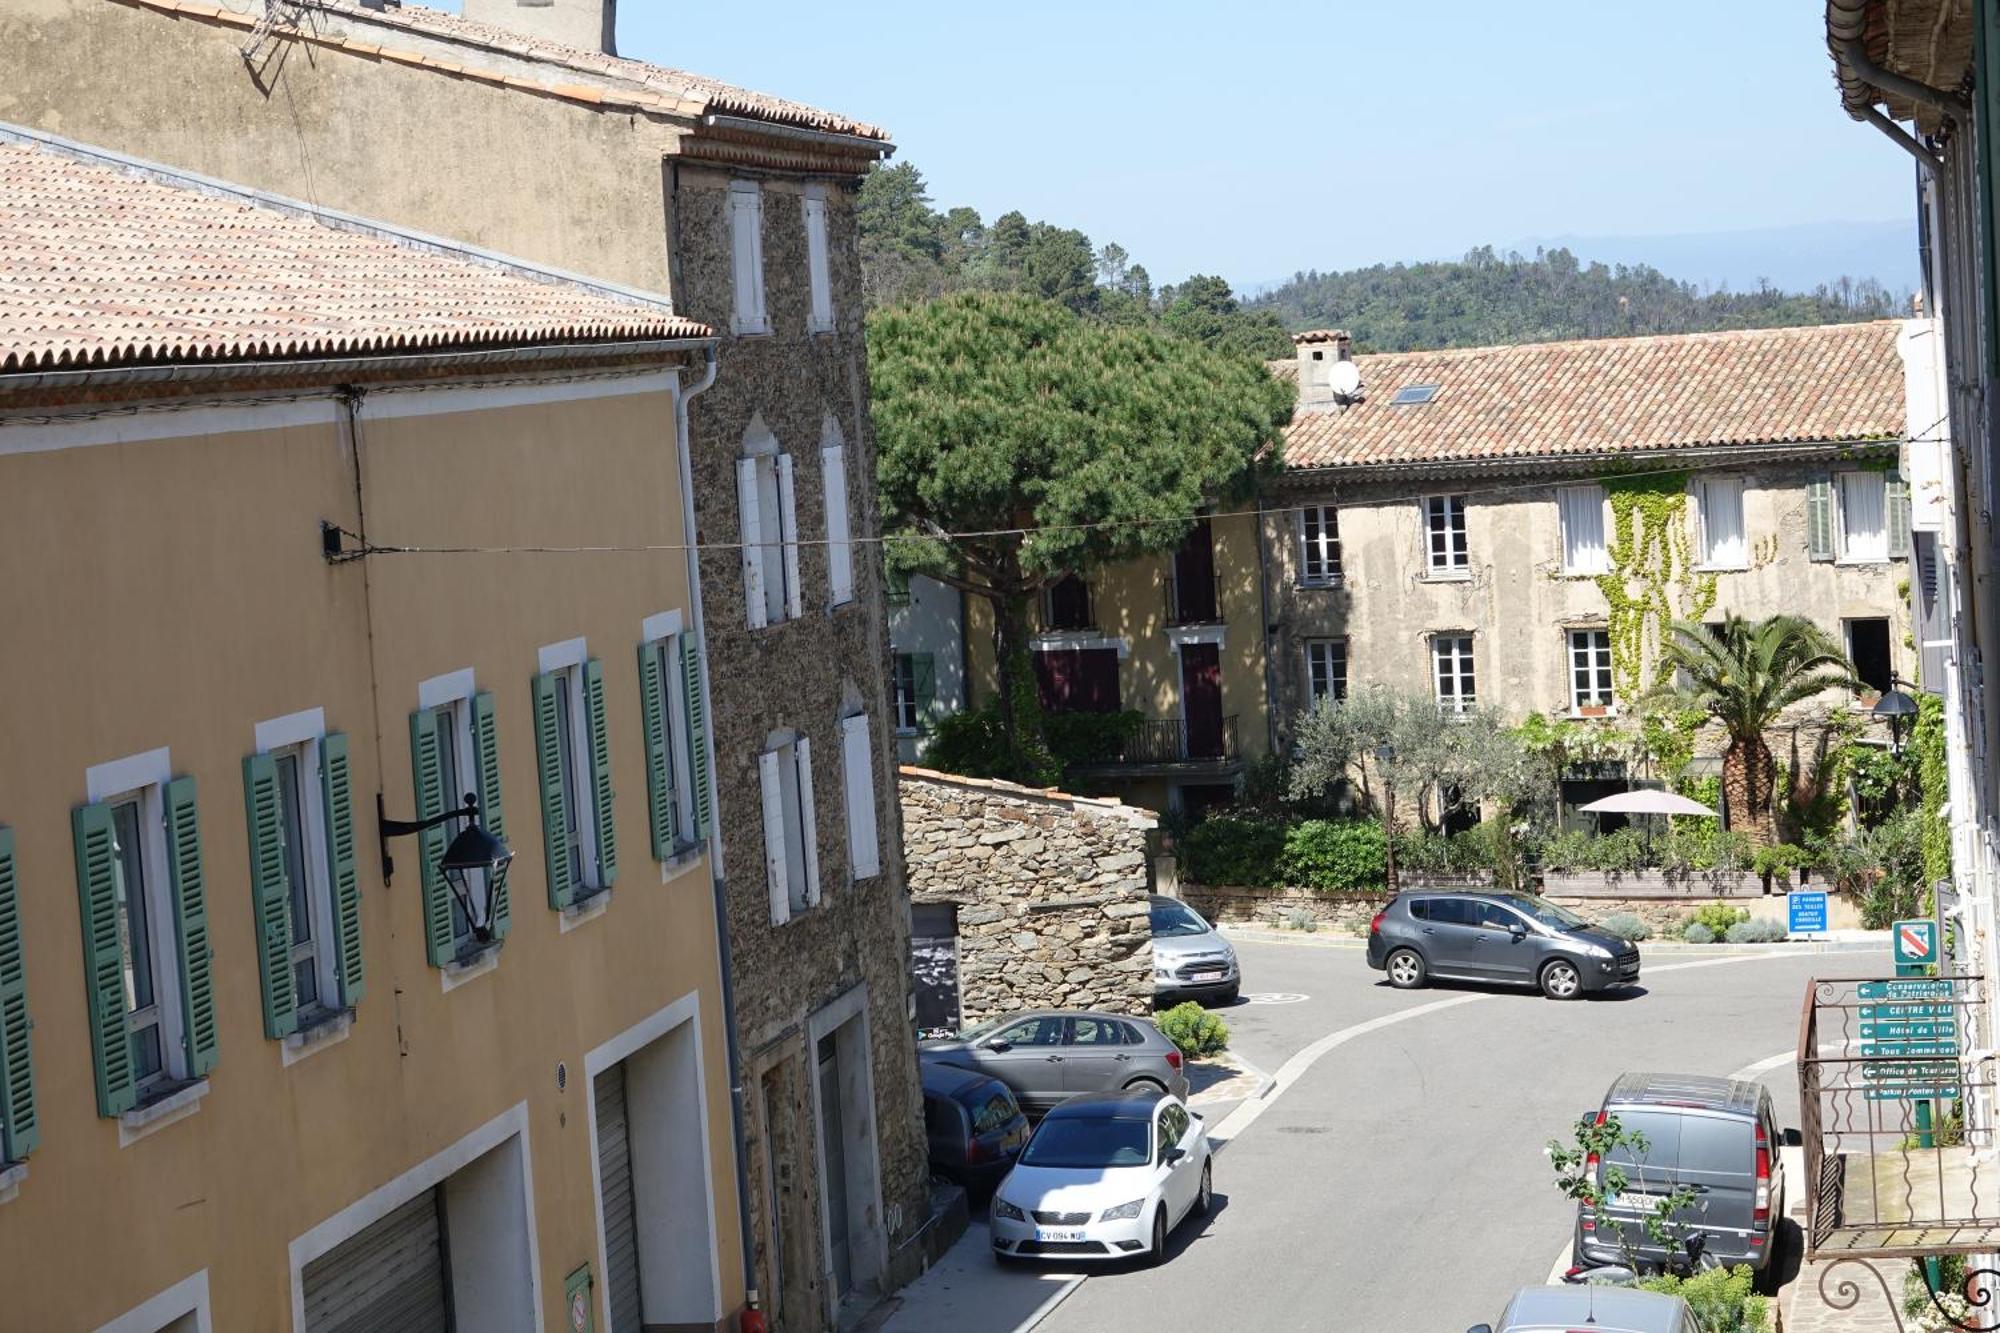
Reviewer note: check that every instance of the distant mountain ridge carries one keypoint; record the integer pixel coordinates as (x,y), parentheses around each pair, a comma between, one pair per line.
(1794,258)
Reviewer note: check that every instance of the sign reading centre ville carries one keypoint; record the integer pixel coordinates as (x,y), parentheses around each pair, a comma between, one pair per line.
(1916,943)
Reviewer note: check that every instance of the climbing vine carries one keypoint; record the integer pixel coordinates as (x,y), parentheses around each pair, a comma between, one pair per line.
(1652,581)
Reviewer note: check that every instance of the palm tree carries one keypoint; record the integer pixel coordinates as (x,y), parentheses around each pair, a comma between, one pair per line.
(1743,675)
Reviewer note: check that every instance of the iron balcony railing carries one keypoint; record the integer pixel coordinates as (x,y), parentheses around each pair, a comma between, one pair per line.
(1887,1083)
(1196,601)
(1175,740)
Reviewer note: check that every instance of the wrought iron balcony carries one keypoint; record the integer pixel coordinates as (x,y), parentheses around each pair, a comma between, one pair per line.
(1174,740)
(1195,601)
(1886,1075)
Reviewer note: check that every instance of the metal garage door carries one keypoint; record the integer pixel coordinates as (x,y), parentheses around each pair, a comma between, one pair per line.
(614,1173)
(388,1279)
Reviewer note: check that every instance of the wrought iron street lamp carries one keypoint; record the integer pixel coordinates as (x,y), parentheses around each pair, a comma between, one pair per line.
(474,866)
(1897,709)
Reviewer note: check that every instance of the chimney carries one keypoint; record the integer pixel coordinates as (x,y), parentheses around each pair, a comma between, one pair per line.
(1319,351)
(589,24)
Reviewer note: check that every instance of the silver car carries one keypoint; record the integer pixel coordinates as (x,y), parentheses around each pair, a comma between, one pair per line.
(1599,1309)
(1190,960)
(1046,1056)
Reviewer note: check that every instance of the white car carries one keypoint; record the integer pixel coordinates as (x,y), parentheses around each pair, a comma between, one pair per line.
(1106,1176)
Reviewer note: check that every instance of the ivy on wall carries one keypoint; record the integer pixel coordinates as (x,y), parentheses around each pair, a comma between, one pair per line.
(1927,740)
(1652,581)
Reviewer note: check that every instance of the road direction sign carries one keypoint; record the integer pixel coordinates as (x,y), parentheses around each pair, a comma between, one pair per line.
(1907,1010)
(1805,912)
(1938,988)
(1928,1030)
(1909,1048)
(1916,943)
(1909,1071)
(1901,1093)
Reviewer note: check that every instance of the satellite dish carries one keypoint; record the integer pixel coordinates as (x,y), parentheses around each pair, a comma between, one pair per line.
(1344,378)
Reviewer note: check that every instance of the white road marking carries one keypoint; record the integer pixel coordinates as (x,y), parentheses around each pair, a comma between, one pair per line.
(1759,1068)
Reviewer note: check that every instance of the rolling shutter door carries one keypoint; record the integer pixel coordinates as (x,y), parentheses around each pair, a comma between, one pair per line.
(614,1174)
(388,1279)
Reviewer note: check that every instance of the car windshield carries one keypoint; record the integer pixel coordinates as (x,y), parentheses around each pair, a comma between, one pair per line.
(1547,912)
(1086,1142)
(1170,919)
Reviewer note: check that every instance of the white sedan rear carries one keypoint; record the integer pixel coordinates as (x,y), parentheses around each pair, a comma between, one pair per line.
(1106,1176)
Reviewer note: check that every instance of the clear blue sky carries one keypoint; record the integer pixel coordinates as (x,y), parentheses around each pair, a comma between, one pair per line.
(1256,139)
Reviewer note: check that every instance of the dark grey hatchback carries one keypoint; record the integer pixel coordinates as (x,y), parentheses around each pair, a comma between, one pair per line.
(1515,939)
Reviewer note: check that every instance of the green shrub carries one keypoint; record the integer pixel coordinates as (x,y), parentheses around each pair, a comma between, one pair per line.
(1578,850)
(1703,844)
(1719,917)
(1300,919)
(974,743)
(1195,1030)
(1755,932)
(1227,849)
(1780,859)
(1089,738)
(1696,933)
(1335,855)
(1626,926)
(1720,1297)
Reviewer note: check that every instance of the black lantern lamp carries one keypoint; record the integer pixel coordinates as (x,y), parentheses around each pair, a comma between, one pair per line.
(474,866)
(1897,709)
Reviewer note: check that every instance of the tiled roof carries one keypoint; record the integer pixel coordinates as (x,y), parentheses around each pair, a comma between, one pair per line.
(106,262)
(1832,383)
(1311,336)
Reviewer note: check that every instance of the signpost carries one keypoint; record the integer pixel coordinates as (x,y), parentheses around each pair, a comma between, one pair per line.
(1805,912)
(1916,946)
(1911,1027)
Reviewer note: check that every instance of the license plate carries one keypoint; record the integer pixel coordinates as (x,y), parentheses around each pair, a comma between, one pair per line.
(1044,1233)
(1208,976)
(1638,1199)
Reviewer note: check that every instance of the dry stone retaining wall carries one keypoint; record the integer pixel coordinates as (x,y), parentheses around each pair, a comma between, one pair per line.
(1051,892)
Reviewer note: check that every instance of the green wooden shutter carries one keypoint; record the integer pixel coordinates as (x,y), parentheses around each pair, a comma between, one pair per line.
(22,1132)
(659,762)
(191,927)
(1819,518)
(492,809)
(548,763)
(427,780)
(103,961)
(342,868)
(1897,495)
(701,795)
(270,895)
(923,671)
(600,771)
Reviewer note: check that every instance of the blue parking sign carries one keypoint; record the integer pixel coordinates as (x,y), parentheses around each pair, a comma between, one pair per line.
(1805,912)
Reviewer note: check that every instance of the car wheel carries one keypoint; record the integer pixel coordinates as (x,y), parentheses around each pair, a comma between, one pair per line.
(1406,969)
(1561,980)
(1206,1199)
(1158,1253)
(1149,1084)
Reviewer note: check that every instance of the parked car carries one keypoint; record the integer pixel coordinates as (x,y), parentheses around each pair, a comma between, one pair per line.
(1599,1309)
(1107,1175)
(1045,1055)
(1517,939)
(1717,1136)
(974,1125)
(1190,959)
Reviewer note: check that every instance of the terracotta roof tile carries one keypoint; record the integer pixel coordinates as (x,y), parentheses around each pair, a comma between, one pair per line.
(1831,383)
(105,262)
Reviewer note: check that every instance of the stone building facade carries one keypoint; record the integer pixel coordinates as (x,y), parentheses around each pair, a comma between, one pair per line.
(1048,891)
(735,204)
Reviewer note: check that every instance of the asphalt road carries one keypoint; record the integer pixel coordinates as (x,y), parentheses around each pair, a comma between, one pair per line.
(1400,1182)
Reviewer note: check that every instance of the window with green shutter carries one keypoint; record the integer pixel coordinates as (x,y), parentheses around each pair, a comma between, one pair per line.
(1819,518)
(101,906)
(190,908)
(20,1132)
(701,795)
(492,809)
(602,793)
(656,727)
(429,734)
(1897,498)
(548,696)
(270,893)
(342,864)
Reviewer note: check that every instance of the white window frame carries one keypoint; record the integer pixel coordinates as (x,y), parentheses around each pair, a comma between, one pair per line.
(1590,651)
(142,779)
(565,662)
(1324,647)
(1571,497)
(791,826)
(1705,487)
(1319,551)
(903,703)
(857,771)
(1456,665)
(1455,564)
(819,272)
(751,310)
(1842,550)
(298,736)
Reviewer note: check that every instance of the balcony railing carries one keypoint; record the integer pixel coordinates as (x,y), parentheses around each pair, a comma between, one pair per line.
(1886,1083)
(1174,740)
(1193,601)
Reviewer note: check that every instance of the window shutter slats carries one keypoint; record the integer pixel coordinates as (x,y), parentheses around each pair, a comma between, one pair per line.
(20,1130)
(659,762)
(818,273)
(701,799)
(1819,518)
(427,781)
(492,808)
(342,863)
(103,960)
(1898,499)
(548,765)
(923,671)
(191,926)
(270,895)
(788,519)
(839,550)
(600,772)
(752,525)
(746,225)
(808,820)
(864,856)
(774,837)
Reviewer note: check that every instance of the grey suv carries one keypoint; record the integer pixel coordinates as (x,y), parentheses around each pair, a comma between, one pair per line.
(1045,1056)
(1717,1136)
(1190,960)
(1516,939)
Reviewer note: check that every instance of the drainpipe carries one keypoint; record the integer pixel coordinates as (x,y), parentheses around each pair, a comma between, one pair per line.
(718,879)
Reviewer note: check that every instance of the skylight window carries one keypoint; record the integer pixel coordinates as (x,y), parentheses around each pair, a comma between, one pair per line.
(1411,395)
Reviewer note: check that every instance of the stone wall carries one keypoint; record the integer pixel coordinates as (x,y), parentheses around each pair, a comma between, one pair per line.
(1051,892)
(1350,915)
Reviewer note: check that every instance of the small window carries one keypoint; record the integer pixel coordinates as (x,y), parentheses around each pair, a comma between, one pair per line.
(677,761)
(454,746)
(746,238)
(1719,514)
(138,845)
(1582,512)
(1868,649)
(839,538)
(1864,516)
(791,830)
(915,688)
(1589,670)
(1066,604)
(1326,669)
(1319,546)
(818,273)
(1414,395)
(767,510)
(1444,528)
(1451,662)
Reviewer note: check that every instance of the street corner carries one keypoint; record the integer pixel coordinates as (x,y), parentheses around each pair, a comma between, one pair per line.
(1217,1082)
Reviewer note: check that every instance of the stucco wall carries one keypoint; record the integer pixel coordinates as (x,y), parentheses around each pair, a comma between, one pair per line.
(1052,893)
(931,620)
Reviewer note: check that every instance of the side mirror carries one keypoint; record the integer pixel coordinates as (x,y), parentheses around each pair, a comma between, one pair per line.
(1518,931)
(1794,1139)
(999,1044)
(1173,1155)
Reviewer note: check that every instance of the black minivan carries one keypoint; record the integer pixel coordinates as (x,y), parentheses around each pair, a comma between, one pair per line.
(974,1125)
(1516,939)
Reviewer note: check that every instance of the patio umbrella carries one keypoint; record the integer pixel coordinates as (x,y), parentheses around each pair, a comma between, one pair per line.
(1648,801)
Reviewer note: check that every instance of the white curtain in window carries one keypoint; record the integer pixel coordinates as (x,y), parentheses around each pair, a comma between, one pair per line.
(1864,516)
(1722,523)
(1583,530)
